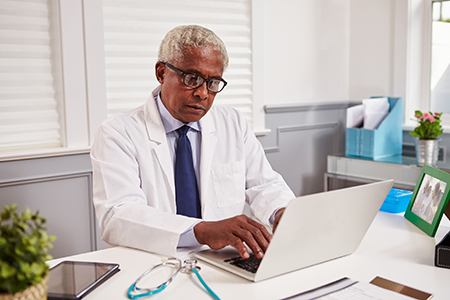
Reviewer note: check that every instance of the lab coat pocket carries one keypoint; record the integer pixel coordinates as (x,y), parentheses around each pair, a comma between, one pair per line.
(229,183)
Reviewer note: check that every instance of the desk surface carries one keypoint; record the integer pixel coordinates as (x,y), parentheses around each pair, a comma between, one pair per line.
(393,248)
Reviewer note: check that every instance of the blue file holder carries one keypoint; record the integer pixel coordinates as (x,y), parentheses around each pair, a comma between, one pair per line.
(386,140)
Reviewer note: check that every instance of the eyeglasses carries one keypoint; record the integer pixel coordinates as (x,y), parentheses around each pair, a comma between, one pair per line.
(194,81)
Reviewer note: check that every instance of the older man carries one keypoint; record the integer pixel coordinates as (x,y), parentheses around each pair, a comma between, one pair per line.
(177,172)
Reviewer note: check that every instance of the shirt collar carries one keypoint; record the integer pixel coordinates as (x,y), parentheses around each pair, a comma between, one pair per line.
(169,122)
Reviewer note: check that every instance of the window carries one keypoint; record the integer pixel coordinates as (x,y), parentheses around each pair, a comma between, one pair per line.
(29,115)
(427,65)
(440,57)
(66,65)
(132,38)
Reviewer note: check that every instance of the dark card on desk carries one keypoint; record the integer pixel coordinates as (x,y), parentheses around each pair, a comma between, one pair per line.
(400,288)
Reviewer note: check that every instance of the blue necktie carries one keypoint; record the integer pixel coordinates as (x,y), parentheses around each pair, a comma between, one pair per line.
(186,192)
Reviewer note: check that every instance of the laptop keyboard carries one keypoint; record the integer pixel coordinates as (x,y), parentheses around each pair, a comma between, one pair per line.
(251,264)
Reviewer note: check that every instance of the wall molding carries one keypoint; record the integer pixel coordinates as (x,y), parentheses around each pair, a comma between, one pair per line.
(291,128)
(288,108)
(44,167)
(42,153)
(46,178)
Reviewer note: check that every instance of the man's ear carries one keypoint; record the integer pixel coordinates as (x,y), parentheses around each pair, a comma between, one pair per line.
(160,69)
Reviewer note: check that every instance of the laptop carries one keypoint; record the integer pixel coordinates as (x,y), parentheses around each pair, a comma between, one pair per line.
(314,229)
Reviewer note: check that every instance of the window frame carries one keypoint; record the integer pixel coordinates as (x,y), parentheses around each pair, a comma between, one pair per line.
(418,70)
(71,80)
(81,64)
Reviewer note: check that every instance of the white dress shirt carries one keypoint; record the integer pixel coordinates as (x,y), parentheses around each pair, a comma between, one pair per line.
(187,238)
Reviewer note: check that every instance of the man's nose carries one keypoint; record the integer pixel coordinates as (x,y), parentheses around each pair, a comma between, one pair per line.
(202,91)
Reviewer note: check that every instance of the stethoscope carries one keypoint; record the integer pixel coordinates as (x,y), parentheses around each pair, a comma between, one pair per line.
(188,267)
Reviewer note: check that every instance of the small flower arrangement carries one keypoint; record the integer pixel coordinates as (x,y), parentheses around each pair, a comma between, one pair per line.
(429,127)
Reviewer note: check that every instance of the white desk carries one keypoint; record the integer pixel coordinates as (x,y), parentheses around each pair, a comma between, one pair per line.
(393,248)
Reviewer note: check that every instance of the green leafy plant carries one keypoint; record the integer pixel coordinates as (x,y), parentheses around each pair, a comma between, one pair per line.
(24,246)
(429,127)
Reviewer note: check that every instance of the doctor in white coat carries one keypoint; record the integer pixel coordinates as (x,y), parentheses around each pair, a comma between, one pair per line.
(133,160)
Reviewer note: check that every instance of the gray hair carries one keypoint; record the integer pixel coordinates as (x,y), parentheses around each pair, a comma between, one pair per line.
(174,45)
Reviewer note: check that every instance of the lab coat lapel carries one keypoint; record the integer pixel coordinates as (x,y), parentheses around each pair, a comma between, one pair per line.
(209,141)
(157,137)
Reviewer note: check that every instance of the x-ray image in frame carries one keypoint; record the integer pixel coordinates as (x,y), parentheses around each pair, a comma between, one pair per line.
(429,199)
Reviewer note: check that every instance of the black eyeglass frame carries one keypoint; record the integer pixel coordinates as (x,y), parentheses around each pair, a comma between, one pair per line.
(182,74)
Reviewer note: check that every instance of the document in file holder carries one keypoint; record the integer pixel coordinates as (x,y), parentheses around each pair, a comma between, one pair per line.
(375,110)
(381,135)
(369,114)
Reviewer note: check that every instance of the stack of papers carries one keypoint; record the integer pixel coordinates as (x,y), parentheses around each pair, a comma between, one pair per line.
(368,115)
(377,289)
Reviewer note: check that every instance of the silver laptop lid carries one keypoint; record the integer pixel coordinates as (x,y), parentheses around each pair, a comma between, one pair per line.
(314,229)
(320,227)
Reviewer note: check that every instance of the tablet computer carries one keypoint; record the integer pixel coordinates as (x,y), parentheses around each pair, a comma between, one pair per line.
(75,279)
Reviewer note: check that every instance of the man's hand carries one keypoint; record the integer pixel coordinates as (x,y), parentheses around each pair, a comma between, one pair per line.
(277,219)
(234,232)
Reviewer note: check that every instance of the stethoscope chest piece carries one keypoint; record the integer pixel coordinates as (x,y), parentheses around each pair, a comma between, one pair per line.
(189,265)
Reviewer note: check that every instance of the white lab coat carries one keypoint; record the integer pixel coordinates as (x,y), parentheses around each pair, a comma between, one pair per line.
(134,188)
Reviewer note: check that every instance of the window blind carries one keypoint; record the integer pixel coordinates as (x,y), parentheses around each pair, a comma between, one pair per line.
(28,106)
(133,31)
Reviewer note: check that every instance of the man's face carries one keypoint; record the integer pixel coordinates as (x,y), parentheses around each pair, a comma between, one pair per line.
(187,104)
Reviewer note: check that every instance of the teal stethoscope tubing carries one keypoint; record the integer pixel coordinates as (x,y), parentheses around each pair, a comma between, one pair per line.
(204,284)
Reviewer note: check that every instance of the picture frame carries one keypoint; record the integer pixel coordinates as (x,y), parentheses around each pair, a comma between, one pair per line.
(429,199)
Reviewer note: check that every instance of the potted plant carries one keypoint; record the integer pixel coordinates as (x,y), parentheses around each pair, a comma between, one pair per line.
(426,136)
(24,248)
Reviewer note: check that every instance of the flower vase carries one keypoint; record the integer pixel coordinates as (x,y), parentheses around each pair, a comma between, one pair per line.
(427,151)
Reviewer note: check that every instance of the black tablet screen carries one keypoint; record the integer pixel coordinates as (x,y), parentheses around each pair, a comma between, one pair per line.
(73,280)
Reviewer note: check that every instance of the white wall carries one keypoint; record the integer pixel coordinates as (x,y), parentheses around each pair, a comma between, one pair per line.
(371,48)
(333,50)
(305,48)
